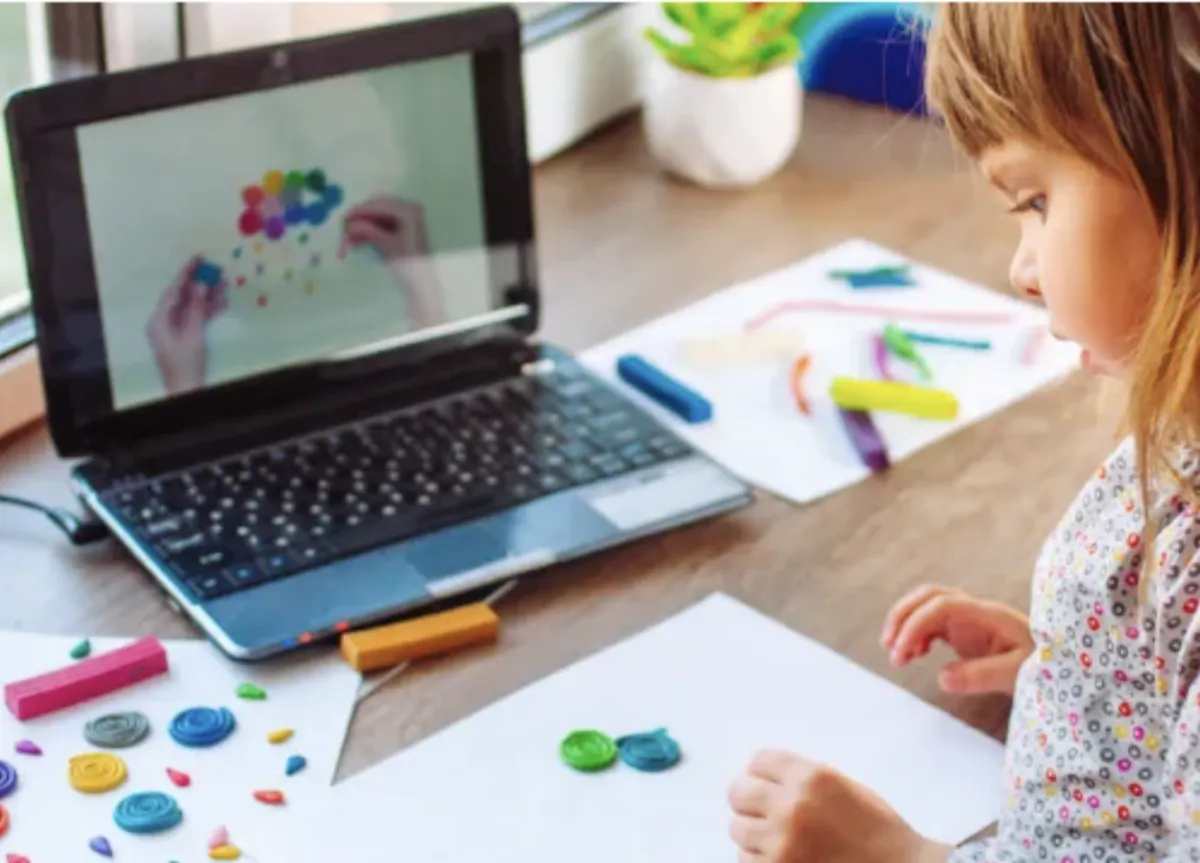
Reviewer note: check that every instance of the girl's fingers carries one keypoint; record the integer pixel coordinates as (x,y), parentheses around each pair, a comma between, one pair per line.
(750,796)
(986,674)
(773,765)
(906,606)
(750,834)
(927,622)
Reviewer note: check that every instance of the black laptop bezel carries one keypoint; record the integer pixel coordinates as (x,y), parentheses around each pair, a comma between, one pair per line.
(58,253)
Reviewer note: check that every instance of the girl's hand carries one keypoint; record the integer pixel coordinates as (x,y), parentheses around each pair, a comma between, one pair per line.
(176,329)
(991,639)
(789,810)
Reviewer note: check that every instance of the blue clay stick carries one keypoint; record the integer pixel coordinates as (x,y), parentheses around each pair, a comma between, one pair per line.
(656,384)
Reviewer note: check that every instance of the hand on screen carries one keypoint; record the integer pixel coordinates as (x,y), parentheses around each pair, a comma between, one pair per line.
(395,229)
(176,329)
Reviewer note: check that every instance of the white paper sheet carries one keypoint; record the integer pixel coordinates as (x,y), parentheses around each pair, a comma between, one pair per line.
(51,822)
(724,680)
(758,433)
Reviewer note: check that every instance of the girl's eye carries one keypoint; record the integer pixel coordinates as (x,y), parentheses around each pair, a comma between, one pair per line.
(1032,204)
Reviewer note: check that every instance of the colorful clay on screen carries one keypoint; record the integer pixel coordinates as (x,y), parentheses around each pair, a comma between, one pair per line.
(293,200)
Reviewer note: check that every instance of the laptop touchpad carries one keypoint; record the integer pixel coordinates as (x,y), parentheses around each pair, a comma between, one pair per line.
(456,550)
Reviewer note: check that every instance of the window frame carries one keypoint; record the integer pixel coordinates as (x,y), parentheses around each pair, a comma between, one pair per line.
(72,37)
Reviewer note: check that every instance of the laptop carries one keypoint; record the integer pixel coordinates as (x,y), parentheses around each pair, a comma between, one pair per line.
(287,306)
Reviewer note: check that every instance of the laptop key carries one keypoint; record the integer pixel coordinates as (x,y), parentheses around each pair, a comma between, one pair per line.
(245,574)
(276,564)
(581,473)
(610,465)
(211,586)
(205,558)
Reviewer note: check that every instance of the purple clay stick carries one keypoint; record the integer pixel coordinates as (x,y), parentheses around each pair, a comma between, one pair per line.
(880,352)
(866,440)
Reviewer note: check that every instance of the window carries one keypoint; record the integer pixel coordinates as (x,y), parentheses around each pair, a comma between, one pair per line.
(38,42)
(582,60)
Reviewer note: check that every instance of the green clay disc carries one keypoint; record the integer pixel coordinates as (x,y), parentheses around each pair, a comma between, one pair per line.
(588,750)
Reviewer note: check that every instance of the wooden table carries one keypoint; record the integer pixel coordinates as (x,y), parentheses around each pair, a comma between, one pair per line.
(619,244)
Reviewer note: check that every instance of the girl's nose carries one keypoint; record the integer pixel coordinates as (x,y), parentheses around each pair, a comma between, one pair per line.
(1023,275)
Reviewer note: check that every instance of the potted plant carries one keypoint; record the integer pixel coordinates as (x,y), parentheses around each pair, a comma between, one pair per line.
(723,106)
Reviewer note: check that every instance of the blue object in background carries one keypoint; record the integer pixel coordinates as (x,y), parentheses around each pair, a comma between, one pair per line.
(868,52)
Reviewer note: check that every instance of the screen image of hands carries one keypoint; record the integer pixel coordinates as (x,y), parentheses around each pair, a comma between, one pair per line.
(392,227)
(177,329)
(395,229)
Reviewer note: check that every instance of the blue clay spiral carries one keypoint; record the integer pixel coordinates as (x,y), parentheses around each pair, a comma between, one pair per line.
(202,726)
(8,779)
(649,752)
(147,812)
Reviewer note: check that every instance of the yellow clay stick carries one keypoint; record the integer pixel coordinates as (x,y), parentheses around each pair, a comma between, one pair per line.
(369,649)
(857,394)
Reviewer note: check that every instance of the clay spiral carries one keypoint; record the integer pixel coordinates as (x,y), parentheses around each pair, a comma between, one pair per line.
(8,779)
(649,752)
(147,812)
(96,772)
(588,750)
(117,730)
(202,726)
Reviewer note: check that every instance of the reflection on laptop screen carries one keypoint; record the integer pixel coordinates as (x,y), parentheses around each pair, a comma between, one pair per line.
(241,235)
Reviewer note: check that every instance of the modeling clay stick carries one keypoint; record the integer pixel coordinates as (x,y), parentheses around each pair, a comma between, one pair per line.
(879,352)
(658,385)
(1033,347)
(863,395)
(947,341)
(86,679)
(900,314)
(899,344)
(798,371)
(369,649)
(879,277)
(860,428)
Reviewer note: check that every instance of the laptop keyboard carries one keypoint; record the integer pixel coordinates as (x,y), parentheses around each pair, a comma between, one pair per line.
(234,524)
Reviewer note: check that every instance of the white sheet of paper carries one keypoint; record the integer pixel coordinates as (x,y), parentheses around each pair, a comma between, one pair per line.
(724,680)
(51,821)
(758,433)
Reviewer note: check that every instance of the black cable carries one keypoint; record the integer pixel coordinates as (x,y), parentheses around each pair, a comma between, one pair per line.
(79,531)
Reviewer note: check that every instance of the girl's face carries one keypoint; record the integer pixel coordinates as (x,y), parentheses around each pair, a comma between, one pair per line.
(1089,248)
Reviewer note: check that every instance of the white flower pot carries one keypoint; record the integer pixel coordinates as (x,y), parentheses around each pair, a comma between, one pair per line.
(722,132)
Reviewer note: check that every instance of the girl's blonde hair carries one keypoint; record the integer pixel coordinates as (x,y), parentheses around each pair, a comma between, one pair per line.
(1117,84)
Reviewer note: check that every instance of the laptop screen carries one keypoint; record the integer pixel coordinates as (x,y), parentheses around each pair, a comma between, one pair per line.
(245,234)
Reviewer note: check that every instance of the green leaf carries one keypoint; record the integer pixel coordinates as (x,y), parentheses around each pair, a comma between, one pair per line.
(777,52)
(664,46)
(730,39)
(700,59)
(671,10)
(739,40)
(685,15)
(721,18)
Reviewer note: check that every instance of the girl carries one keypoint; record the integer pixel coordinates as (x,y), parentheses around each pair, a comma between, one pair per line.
(1086,119)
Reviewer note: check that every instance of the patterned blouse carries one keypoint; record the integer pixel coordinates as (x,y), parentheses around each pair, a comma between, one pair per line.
(1103,759)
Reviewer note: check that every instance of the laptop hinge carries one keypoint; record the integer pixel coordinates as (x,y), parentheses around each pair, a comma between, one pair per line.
(467,368)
